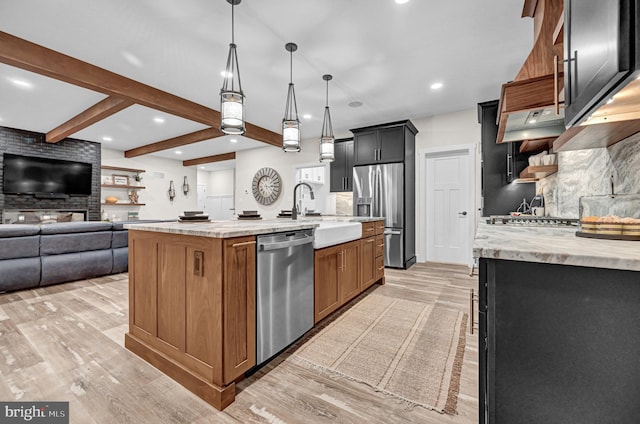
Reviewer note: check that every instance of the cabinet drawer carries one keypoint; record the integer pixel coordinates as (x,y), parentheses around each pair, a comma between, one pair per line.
(368,229)
(380,245)
(379,226)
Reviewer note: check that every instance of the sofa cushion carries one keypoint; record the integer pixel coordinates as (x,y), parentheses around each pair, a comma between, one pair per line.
(18,274)
(120,260)
(120,239)
(18,230)
(75,266)
(19,247)
(75,227)
(55,244)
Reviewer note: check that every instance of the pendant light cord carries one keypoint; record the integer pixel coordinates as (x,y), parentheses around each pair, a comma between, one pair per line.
(327,105)
(233,38)
(291,67)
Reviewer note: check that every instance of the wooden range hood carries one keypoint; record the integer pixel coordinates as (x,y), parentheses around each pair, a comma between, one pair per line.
(529,107)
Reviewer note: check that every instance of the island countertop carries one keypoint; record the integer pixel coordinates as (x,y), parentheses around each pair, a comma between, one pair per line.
(556,245)
(239,228)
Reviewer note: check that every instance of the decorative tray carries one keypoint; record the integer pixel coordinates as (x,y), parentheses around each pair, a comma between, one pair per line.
(193,218)
(607,236)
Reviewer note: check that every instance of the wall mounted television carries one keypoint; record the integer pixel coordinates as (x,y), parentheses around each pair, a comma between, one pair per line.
(44,177)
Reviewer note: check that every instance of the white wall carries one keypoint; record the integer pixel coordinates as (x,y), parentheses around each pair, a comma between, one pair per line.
(158,173)
(219,183)
(452,129)
(248,162)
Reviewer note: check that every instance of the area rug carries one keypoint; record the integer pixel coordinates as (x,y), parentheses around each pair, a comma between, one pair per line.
(406,349)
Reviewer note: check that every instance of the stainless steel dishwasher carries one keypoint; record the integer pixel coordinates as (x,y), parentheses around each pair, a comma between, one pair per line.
(284,291)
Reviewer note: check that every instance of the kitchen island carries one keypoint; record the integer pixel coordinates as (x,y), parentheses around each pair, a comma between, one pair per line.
(192,298)
(559,326)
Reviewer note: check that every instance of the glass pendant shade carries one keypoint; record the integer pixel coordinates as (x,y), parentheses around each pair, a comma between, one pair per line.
(231,95)
(290,135)
(326,138)
(290,122)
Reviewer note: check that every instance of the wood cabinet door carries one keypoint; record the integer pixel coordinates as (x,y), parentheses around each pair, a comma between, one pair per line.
(391,144)
(367,262)
(365,147)
(239,299)
(350,271)
(379,263)
(326,289)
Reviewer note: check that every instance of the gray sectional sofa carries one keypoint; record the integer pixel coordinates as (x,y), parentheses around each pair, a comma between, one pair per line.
(40,255)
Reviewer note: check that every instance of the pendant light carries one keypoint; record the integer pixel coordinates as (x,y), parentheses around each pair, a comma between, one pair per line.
(326,138)
(231,96)
(291,123)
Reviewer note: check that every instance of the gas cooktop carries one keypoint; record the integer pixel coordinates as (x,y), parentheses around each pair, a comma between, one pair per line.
(531,220)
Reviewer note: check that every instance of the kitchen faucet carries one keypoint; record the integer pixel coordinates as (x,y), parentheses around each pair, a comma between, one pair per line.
(294,209)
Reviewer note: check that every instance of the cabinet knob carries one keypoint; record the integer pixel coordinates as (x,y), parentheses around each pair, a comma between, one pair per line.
(463,213)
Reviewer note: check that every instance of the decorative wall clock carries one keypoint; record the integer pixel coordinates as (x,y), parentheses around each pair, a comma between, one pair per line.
(266,186)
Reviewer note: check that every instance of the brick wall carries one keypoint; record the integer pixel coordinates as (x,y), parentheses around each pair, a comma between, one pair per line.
(30,143)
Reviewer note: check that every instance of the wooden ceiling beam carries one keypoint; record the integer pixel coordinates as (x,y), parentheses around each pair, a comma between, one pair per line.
(174,142)
(209,159)
(32,57)
(95,113)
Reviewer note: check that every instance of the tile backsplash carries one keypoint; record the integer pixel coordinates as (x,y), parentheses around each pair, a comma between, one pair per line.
(588,172)
(344,203)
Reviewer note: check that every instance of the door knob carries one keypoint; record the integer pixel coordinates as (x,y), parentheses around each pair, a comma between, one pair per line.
(463,213)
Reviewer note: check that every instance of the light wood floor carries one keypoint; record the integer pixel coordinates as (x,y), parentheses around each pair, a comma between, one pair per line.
(65,343)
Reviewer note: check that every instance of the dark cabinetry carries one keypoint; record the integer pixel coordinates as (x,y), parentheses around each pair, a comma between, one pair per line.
(558,343)
(379,145)
(342,166)
(601,49)
(501,164)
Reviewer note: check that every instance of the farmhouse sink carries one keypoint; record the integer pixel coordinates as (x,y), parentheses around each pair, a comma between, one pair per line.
(329,233)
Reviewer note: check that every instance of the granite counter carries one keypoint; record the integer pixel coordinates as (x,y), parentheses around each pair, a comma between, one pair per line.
(556,245)
(239,228)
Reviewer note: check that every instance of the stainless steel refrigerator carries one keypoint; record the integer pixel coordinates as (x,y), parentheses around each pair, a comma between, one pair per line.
(378,190)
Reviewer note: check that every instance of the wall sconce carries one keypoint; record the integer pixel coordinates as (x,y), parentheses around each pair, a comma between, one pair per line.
(185,186)
(172,191)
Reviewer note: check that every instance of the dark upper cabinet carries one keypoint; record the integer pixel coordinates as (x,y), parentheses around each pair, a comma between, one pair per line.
(601,52)
(383,144)
(342,166)
(501,164)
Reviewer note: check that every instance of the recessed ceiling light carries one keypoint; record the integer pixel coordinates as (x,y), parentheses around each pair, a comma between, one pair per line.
(107,138)
(226,74)
(132,59)
(178,152)
(402,1)
(20,83)
(355,103)
(532,121)
(233,140)
(610,101)
(436,85)
(158,120)
(307,116)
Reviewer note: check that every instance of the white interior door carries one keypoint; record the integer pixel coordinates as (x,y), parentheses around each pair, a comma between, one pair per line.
(220,207)
(202,198)
(448,207)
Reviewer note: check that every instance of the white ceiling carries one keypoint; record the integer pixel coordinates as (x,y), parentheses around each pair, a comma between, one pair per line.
(380,53)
